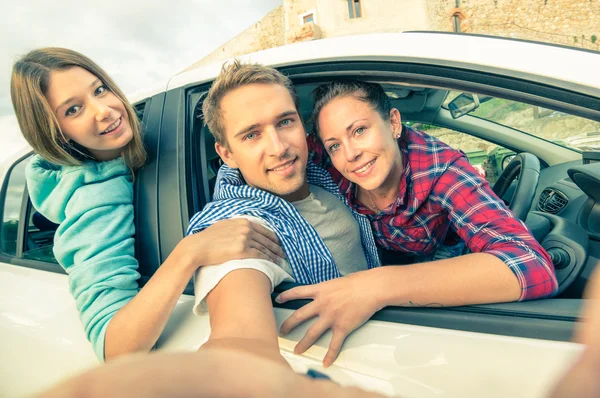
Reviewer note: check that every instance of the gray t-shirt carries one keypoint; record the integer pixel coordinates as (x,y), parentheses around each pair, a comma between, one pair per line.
(336,225)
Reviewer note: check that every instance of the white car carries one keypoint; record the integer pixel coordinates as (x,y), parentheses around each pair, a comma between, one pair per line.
(490,97)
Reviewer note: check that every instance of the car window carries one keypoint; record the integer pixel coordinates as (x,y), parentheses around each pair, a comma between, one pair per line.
(38,237)
(489,159)
(567,130)
(13,201)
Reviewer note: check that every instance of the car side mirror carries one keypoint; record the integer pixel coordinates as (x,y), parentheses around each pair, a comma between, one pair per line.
(463,104)
(507,159)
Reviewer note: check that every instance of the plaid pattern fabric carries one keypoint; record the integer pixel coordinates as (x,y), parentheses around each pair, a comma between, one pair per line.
(439,191)
(309,258)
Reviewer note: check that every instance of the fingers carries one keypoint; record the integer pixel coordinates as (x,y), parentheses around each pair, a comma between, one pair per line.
(266,254)
(299,316)
(311,336)
(266,232)
(297,293)
(267,244)
(335,346)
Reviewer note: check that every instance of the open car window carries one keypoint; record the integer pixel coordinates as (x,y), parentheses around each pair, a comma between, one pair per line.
(26,234)
(567,130)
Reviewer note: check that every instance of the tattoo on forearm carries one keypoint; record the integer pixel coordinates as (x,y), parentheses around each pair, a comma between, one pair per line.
(413,304)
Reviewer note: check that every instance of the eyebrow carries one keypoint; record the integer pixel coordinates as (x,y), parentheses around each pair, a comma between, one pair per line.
(347,129)
(71,99)
(253,126)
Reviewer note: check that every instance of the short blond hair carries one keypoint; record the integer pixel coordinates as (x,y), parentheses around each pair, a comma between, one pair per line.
(38,123)
(235,75)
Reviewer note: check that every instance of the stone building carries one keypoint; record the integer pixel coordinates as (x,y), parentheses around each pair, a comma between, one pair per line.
(568,22)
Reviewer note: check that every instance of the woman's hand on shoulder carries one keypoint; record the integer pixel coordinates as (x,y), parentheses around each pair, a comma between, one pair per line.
(233,239)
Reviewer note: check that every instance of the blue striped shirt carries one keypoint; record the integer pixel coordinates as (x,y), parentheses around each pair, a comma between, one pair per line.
(309,258)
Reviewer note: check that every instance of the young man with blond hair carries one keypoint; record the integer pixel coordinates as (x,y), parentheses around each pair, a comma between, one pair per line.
(252,111)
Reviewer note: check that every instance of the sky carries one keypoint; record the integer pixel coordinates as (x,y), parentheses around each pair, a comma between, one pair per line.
(140,43)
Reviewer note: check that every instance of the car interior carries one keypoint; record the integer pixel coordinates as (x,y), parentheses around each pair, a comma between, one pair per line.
(538,185)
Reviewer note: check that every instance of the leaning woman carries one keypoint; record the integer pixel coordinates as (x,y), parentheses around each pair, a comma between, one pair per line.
(418,193)
(88,147)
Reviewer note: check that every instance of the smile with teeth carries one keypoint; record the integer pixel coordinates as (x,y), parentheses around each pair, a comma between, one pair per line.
(283,166)
(112,126)
(365,167)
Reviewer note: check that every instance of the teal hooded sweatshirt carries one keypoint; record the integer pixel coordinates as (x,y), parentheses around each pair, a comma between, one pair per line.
(94,243)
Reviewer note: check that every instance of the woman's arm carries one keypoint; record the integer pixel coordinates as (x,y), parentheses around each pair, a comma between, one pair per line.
(482,220)
(95,244)
(138,324)
(508,265)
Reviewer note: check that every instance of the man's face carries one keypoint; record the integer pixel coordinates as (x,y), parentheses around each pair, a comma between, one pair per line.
(266,139)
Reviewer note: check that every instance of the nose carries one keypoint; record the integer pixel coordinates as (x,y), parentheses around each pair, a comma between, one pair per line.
(101,110)
(277,144)
(351,152)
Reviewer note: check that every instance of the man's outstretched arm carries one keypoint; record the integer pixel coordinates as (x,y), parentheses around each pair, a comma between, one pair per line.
(241,315)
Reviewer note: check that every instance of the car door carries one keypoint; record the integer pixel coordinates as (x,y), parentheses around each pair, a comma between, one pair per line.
(42,339)
(515,349)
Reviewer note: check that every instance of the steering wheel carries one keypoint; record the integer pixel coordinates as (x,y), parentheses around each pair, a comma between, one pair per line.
(527,167)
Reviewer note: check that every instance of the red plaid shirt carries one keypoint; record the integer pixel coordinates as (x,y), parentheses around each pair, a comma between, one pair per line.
(440,190)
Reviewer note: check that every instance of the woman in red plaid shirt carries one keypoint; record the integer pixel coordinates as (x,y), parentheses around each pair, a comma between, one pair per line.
(418,193)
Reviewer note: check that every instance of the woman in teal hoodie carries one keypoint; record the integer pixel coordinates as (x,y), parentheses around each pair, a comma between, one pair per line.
(88,144)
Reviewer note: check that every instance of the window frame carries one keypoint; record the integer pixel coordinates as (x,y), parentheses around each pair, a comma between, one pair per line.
(533,319)
(353,7)
(18,258)
(301,17)
(530,319)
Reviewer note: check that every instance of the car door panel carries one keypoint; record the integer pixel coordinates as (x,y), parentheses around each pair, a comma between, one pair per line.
(41,332)
(408,360)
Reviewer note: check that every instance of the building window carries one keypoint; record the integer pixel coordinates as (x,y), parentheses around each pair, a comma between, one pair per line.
(308,16)
(354,9)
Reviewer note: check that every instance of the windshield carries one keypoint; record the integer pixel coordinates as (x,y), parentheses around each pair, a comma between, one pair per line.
(570,131)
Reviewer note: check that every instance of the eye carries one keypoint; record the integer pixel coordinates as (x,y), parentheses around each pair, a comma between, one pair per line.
(333,147)
(359,131)
(72,110)
(100,90)
(285,122)
(249,136)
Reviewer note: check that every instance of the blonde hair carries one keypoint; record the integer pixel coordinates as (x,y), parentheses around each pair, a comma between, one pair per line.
(38,123)
(232,76)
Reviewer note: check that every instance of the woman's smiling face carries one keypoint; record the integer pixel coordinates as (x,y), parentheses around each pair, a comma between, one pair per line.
(362,145)
(88,113)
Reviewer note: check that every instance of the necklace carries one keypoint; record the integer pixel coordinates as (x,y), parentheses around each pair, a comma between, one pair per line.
(373,205)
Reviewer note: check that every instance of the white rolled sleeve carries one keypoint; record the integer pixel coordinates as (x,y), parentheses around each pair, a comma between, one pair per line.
(208,277)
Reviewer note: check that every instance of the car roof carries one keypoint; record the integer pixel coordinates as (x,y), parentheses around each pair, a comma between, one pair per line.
(471,51)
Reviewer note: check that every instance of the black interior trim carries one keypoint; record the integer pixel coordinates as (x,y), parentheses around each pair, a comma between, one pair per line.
(147,226)
(35,264)
(550,319)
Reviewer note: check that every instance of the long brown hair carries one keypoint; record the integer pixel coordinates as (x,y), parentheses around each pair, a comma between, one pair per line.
(38,123)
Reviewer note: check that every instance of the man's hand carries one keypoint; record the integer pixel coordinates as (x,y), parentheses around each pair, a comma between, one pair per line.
(234,239)
(342,305)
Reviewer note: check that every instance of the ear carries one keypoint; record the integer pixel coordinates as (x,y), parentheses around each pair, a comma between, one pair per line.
(396,122)
(225,155)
